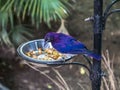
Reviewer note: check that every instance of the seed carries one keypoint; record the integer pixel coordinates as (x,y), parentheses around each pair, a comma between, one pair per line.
(28,54)
(34,56)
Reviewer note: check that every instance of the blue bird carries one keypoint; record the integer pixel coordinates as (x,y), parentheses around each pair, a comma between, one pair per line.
(68,45)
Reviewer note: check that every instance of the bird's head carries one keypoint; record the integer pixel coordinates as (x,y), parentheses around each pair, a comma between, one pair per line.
(49,37)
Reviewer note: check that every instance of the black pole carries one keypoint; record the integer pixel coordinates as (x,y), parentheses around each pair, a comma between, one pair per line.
(98,28)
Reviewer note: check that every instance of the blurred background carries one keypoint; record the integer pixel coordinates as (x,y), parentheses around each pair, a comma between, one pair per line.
(24,20)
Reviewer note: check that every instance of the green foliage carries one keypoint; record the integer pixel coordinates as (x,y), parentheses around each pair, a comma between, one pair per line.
(36,10)
(19,33)
(4,38)
(6,18)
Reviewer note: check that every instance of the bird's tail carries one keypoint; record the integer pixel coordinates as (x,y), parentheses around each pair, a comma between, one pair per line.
(93,55)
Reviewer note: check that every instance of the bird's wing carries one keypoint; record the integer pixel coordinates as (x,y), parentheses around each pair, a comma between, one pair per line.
(77,44)
(71,45)
(68,44)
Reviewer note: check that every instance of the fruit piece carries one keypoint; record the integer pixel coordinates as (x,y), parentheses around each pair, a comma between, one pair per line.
(34,56)
(28,54)
(39,51)
(49,51)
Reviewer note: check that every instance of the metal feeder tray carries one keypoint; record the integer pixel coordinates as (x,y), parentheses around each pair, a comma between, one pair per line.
(33,46)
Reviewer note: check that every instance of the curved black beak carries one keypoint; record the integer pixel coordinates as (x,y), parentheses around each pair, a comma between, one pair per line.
(46,42)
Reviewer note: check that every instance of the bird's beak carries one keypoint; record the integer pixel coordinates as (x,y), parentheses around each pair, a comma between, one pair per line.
(46,41)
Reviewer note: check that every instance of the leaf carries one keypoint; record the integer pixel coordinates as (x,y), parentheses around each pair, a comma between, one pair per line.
(20,7)
(9,5)
(30,5)
(19,34)
(3,19)
(33,11)
(11,18)
(38,9)
(25,9)
(4,37)
(6,4)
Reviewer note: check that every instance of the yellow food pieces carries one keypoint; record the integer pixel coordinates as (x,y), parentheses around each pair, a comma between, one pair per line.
(39,51)
(50,53)
(53,53)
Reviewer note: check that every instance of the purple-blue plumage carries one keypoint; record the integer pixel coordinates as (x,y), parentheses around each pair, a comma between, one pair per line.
(69,45)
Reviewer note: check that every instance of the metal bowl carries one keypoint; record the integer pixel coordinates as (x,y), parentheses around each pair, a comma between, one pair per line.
(33,46)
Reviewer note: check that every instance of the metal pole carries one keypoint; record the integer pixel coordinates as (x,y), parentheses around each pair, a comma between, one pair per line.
(98,28)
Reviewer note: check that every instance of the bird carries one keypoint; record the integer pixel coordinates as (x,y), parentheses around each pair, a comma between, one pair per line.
(67,44)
